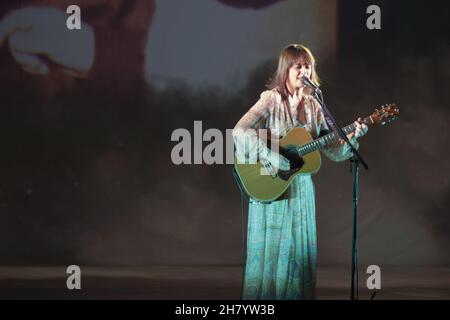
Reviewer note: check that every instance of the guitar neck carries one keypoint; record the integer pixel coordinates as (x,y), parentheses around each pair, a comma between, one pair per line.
(328,139)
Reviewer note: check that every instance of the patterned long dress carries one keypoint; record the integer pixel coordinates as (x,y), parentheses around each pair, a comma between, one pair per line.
(281,235)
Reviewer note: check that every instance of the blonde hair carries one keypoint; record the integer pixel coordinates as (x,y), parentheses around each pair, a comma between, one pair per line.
(290,55)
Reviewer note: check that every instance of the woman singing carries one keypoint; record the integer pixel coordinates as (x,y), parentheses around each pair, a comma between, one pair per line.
(281,237)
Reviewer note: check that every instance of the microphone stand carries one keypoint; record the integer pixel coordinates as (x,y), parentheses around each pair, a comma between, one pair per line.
(356,159)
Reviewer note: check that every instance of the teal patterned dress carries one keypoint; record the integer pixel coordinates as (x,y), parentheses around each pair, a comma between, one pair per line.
(281,235)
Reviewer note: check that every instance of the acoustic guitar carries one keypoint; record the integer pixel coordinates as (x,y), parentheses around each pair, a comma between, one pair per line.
(264,184)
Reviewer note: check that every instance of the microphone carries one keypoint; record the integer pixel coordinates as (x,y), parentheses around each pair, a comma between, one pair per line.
(310,84)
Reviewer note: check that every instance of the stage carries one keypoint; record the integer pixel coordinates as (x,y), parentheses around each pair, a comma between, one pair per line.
(208,282)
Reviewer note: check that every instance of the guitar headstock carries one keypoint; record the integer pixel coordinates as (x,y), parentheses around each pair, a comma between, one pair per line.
(385,114)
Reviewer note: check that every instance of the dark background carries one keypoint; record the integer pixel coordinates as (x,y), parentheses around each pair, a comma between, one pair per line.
(86,174)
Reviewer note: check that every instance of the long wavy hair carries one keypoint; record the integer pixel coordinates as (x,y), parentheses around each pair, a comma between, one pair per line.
(290,55)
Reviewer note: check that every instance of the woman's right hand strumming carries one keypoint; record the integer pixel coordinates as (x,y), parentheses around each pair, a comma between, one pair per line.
(278,161)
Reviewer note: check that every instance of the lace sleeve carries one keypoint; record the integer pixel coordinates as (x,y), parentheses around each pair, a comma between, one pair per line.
(342,152)
(250,145)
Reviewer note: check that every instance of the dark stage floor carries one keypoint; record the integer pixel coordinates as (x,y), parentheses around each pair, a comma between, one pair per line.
(206,282)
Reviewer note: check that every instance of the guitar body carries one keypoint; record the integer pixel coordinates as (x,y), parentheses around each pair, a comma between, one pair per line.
(266,188)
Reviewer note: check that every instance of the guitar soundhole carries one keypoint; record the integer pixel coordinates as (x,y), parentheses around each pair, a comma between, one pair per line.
(285,175)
